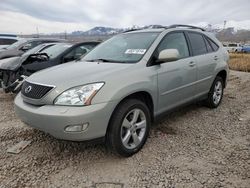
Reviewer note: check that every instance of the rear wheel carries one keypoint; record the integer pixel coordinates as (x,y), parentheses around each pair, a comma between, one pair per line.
(215,94)
(129,127)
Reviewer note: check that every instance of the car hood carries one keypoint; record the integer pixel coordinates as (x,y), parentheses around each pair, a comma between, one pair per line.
(9,53)
(76,73)
(10,63)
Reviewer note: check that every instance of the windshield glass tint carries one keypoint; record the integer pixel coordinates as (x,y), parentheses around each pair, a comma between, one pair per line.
(16,44)
(56,50)
(127,48)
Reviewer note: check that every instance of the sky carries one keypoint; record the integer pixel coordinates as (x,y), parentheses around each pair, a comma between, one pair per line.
(53,16)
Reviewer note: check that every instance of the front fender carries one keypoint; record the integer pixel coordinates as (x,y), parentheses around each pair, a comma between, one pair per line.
(121,87)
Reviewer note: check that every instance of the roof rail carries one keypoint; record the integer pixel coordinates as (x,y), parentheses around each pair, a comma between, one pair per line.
(164,27)
(147,27)
(129,30)
(187,26)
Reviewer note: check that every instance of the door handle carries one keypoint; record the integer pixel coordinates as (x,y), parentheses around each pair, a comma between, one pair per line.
(192,64)
(216,58)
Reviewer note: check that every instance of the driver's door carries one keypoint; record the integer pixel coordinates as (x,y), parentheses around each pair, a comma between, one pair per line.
(176,79)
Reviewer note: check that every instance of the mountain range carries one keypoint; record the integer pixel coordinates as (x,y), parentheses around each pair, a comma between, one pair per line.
(102,31)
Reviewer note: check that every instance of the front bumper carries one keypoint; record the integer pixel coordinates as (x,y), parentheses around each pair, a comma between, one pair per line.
(53,119)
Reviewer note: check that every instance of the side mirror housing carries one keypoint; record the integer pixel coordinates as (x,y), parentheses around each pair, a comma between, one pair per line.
(168,55)
(26,47)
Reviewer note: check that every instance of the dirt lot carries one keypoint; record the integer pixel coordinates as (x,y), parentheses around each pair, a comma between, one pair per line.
(193,147)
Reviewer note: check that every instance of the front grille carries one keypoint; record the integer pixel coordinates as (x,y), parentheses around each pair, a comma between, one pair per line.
(35,91)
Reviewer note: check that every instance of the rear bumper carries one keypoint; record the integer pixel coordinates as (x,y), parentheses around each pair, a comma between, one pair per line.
(53,119)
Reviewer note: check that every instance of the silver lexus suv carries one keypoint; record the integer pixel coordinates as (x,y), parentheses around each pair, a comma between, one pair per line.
(118,89)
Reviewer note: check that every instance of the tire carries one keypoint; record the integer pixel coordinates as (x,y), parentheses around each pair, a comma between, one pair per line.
(127,133)
(215,94)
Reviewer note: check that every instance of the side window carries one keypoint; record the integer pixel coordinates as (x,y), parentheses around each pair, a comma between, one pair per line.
(175,41)
(197,43)
(76,53)
(81,50)
(209,47)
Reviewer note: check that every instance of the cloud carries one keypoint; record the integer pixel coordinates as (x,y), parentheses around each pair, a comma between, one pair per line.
(12,22)
(117,13)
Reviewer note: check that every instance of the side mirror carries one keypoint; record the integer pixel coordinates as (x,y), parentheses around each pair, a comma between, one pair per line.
(26,47)
(168,55)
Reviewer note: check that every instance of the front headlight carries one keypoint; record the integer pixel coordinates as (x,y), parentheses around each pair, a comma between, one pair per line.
(79,96)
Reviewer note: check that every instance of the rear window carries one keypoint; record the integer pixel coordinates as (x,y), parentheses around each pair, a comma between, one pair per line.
(198,44)
(209,47)
(213,44)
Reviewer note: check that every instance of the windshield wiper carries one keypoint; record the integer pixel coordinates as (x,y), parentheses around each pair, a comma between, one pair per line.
(101,59)
(104,60)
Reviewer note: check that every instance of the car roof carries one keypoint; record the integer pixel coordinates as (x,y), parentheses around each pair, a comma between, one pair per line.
(145,31)
(47,39)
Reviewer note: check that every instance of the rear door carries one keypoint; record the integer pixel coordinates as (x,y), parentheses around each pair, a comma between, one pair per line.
(176,79)
(204,53)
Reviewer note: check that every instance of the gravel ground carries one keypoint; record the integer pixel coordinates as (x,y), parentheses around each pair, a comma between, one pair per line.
(193,147)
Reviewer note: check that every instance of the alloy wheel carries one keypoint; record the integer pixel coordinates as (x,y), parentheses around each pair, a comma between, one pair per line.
(133,128)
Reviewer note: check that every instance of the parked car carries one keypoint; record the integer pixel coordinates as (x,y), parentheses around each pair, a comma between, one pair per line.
(7,63)
(7,39)
(246,48)
(14,70)
(234,47)
(119,88)
(18,48)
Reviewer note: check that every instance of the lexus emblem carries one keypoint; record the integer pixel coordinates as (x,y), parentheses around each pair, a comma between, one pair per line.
(28,89)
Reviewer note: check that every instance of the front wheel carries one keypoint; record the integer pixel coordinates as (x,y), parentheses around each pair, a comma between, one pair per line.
(129,127)
(215,94)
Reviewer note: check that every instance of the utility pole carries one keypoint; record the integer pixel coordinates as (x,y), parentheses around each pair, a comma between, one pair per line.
(65,35)
(225,23)
(37,32)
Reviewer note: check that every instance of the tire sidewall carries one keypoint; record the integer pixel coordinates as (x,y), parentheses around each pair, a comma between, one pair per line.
(125,108)
(217,79)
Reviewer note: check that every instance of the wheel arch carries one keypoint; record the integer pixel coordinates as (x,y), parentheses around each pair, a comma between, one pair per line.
(223,75)
(143,96)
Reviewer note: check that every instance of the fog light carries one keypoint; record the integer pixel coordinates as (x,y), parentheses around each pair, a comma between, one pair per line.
(76,128)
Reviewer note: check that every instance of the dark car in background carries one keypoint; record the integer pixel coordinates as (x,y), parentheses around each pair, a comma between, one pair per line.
(7,39)
(21,46)
(13,71)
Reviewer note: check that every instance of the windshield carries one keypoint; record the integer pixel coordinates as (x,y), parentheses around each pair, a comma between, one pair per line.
(124,48)
(56,50)
(34,50)
(16,44)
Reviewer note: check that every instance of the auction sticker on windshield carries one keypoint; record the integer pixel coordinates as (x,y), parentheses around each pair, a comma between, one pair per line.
(135,51)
